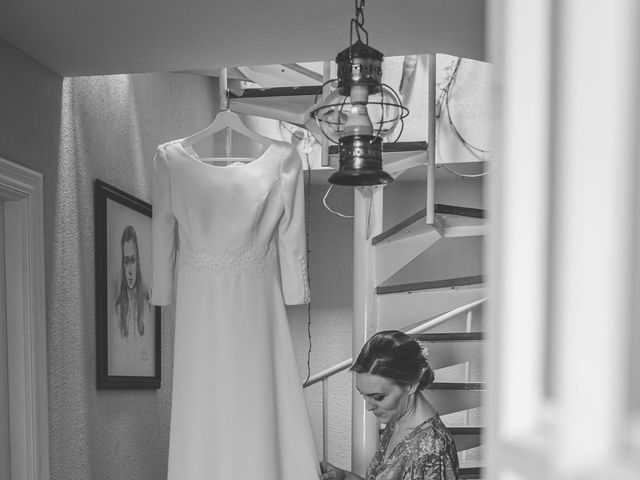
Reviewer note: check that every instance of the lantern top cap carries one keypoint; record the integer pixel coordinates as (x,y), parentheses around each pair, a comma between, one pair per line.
(361,50)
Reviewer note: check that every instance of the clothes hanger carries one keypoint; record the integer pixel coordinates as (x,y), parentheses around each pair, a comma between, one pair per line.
(231,120)
(228,121)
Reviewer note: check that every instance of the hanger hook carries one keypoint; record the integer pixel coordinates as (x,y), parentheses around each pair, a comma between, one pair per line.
(223,89)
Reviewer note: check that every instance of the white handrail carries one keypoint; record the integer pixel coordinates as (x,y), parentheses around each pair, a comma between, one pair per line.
(445,316)
(326,374)
(428,324)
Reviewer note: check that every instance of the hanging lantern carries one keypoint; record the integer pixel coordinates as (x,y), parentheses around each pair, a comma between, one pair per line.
(359,111)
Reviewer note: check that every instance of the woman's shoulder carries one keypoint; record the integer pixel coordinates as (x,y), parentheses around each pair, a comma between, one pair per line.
(431,436)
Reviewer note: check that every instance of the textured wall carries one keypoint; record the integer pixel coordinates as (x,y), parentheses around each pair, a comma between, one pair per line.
(74,131)
(110,128)
(330,273)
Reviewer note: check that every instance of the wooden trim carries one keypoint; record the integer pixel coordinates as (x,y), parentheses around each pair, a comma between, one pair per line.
(306,90)
(399,227)
(439,209)
(431,285)
(469,473)
(448,337)
(456,386)
(462,211)
(465,430)
(21,191)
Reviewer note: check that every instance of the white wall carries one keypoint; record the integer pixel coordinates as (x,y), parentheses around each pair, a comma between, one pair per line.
(73,131)
(109,130)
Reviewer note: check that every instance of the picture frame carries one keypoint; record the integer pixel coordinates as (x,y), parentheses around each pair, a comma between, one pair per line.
(127,325)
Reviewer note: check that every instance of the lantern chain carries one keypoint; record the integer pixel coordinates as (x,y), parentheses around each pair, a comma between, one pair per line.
(360,12)
(358,22)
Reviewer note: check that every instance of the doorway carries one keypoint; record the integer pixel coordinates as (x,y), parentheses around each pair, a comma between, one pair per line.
(24,442)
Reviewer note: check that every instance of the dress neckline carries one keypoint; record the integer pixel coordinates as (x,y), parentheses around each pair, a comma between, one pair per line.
(192,154)
(406,438)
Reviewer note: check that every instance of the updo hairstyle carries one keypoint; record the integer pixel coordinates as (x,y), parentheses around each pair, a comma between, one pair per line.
(396,356)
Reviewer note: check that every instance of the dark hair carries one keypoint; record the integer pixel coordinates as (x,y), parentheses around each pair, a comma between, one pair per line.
(122,300)
(396,356)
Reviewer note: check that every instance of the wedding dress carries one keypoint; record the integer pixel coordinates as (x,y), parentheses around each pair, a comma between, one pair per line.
(236,236)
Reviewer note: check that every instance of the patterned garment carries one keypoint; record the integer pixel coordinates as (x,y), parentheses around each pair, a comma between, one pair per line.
(427,453)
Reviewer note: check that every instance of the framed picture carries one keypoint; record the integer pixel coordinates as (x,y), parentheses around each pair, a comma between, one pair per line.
(127,325)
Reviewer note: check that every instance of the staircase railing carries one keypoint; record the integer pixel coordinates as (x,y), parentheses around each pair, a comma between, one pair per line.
(324,375)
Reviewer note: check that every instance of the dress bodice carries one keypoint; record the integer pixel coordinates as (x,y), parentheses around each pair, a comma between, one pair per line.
(228,219)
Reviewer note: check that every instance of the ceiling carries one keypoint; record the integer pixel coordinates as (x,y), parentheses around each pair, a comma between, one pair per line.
(95,37)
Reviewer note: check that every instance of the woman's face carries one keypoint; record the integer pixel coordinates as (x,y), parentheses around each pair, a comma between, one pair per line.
(130,263)
(384,398)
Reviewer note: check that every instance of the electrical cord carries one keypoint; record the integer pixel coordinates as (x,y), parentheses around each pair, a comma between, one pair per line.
(443,103)
(324,202)
(308,226)
(451,170)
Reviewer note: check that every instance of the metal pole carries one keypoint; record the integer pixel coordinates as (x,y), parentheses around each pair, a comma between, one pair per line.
(224,105)
(467,368)
(325,419)
(431,150)
(367,223)
(324,151)
(222,89)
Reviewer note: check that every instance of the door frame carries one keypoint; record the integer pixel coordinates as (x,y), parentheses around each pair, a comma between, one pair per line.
(22,200)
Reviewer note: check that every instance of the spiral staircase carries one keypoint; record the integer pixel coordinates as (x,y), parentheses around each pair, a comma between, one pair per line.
(446,311)
(455,340)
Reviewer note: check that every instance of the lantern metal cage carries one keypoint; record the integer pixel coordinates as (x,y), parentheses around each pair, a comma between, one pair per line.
(360,110)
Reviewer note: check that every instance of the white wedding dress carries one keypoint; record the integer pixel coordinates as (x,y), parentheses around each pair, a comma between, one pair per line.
(236,236)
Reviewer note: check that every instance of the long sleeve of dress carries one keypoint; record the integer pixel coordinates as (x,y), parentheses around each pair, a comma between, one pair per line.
(163,231)
(292,242)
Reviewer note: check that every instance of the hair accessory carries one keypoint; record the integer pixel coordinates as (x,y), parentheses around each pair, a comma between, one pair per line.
(425,350)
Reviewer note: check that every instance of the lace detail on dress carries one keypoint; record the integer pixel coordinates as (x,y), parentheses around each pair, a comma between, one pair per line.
(305,279)
(228,261)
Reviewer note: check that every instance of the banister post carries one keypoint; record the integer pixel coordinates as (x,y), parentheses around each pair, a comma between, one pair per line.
(325,419)
(431,135)
(367,223)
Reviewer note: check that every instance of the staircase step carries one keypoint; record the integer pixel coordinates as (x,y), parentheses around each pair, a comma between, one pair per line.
(449,336)
(401,243)
(457,210)
(446,349)
(399,227)
(397,310)
(465,386)
(439,208)
(449,398)
(431,285)
(293,103)
(305,91)
(466,437)
(470,473)
(445,353)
